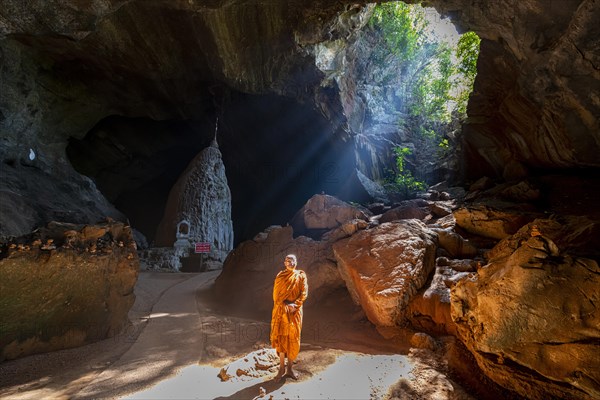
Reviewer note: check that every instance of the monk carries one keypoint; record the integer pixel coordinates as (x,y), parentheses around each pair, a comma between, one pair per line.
(289,293)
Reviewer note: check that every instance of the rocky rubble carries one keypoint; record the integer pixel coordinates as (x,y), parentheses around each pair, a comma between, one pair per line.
(65,285)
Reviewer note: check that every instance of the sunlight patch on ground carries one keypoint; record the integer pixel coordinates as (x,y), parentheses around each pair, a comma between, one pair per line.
(351,376)
(194,382)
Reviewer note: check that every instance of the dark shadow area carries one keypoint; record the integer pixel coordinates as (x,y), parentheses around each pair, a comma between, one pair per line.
(277,154)
(134,162)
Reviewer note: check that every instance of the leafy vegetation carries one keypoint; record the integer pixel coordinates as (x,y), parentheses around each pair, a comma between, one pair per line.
(403,182)
(433,78)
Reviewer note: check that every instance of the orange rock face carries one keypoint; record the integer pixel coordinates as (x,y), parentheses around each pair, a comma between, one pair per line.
(385,267)
(531,319)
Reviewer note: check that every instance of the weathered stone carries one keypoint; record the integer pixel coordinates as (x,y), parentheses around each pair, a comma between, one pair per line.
(448,222)
(515,119)
(374,190)
(201,196)
(417,209)
(430,309)
(65,285)
(458,265)
(483,183)
(257,364)
(440,209)
(422,340)
(455,244)
(346,230)
(490,222)
(324,212)
(30,198)
(385,266)
(250,269)
(522,191)
(577,235)
(532,322)
(159,259)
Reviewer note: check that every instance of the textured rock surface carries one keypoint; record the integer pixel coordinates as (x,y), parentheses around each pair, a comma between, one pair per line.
(490,222)
(66,65)
(30,197)
(201,197)
(65,285)
(531,319)
(257,364)
(384,267)
(407,210)
(430,309)
(323,212)
(455,244)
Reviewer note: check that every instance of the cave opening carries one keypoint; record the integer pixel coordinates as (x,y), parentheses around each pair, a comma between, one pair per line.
(414,74)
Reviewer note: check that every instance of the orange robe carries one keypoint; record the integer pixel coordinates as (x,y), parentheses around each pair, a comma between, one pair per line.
(286,326)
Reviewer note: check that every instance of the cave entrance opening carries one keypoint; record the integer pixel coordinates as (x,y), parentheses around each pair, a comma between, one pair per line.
(414,73)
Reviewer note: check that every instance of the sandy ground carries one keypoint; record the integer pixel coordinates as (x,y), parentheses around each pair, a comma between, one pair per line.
(178,341)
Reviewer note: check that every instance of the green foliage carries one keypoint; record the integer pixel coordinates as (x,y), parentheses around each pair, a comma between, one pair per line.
(437,78)
(401,28)
(467,52)
(402,181)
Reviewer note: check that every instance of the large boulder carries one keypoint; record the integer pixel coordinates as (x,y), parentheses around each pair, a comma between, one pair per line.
(409,209)
(531,319)
(31,197)
(384,267)
(455,244)
(322,213)
(576,235)
(250,269)
(490,222)
(65,285)
(201,197)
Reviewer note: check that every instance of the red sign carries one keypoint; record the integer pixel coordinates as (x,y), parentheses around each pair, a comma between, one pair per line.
(202,247)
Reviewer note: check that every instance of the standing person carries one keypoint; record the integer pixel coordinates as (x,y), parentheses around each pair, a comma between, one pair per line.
(289,292)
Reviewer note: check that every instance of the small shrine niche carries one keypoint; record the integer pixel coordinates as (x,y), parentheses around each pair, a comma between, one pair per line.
(183,230)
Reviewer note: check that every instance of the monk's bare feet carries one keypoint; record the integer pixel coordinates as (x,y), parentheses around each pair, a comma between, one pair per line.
(289,372)
(280,375)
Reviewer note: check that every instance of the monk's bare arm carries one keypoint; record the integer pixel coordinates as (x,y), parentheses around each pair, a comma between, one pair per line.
(303,292)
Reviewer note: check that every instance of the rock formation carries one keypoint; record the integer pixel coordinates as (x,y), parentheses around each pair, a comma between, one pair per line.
(322,213)
(65,285)
(525,330)
(201,197)
(384,267)
(504,299)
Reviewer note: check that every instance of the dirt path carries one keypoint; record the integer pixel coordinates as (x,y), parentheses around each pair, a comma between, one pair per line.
(179,341)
